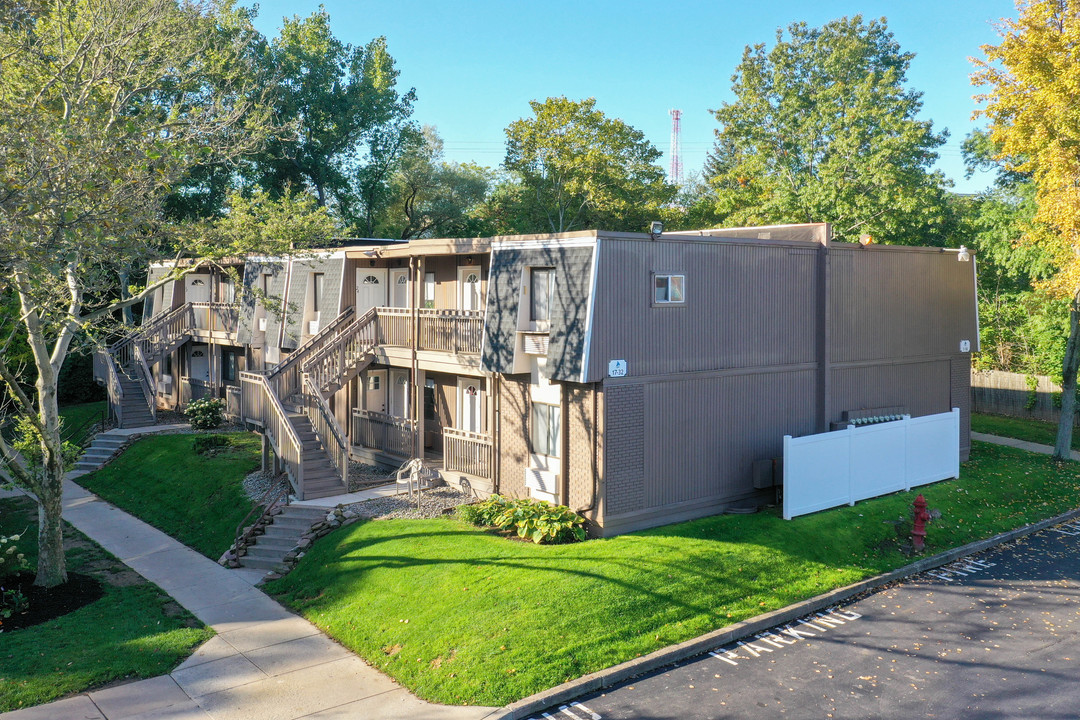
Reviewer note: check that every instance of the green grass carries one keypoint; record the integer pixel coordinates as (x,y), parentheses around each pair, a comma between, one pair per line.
(134,630)
(75,416)
(459,615)
(1037,431)
(197,499)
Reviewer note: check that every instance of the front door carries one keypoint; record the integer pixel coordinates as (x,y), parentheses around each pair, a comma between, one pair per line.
(469,284)
(399,288)
(399,393)
(375,391)
(197,288)
(370,289)
(468,418)
(200,363)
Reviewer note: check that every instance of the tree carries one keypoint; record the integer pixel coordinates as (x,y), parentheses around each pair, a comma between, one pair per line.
(824,129)
(432,198)
(1034,108)
(347,114)
(577,169)
(104,106)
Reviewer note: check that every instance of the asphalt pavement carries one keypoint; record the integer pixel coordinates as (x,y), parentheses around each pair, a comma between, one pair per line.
(989,636)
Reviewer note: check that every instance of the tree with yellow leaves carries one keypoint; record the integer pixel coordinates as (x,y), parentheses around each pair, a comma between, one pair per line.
(1033,103)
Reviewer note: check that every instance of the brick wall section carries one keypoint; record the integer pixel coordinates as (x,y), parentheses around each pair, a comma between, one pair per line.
(582,429)
(513,436)
(960,387)
(624,449)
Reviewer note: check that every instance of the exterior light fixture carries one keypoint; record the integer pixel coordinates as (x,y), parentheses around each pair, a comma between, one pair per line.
(656,228)
(964,255)
(865,239)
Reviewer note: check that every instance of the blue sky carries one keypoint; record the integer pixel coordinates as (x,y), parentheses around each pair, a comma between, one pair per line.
(476,65)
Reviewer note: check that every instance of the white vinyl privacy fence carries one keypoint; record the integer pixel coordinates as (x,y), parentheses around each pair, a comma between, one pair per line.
(836,468)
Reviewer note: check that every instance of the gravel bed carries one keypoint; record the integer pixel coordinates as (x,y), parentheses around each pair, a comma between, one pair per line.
(258,483)
(363,476)
(433,503)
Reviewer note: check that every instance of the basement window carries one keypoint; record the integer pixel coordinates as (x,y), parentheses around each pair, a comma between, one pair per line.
(669,289)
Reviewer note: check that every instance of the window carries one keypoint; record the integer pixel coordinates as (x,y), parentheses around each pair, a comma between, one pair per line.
(669,289)
(429,290)
(542,288)
(316,290)
(545,429)
(229,365)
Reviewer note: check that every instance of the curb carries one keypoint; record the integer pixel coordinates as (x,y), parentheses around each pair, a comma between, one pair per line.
(700,645)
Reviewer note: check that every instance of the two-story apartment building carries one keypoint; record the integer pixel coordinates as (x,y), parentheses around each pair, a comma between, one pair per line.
(638,379)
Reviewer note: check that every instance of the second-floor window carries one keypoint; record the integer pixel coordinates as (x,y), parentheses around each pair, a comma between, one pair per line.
(316,291)
(669,289)
(542,288)
(429,290)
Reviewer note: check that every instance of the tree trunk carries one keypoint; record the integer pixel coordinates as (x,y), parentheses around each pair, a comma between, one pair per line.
(1063,446)
(52,566)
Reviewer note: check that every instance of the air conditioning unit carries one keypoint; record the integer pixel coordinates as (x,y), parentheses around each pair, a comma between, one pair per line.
(262,324)
(313,327)
(164,385)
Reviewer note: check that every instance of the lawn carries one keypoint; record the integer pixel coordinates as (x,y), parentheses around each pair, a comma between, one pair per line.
(461,616)
(197,499)
(133,631)
(1037,431)
(75,416)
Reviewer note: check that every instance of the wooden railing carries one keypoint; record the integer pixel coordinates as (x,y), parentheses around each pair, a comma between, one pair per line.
(262,407)
(330,364)
(111,377)
(215,317)
(146,381)
(285,378)
(327,429)
(395,326)
(378,431)
(232,402)
(154,335)
(452,331)
(467,452)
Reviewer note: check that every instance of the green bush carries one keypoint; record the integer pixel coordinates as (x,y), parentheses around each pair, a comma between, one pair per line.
(11,560)
(209,444)
(536,520)
(205,413)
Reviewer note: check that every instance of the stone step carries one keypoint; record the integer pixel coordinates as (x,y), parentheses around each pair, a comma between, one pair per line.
(265,553)
(308,511)
(316,493)
(107,441)
(98,456)
(283,535)
(292,524)
(88,466)
(273,542)
(261,563)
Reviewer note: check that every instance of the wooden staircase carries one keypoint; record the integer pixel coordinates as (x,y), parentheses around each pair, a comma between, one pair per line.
(321,478)
(135,411)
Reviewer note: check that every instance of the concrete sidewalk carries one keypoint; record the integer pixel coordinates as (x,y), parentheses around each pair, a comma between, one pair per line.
(265,663)
(1019,444)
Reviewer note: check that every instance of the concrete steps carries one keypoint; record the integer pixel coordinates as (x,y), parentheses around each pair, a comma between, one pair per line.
(99,452)
(281,536)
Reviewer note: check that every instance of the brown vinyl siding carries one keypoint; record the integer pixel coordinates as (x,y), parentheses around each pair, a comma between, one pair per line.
(924,388)
(746,305)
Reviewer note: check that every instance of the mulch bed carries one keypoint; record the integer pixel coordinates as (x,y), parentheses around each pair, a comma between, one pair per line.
(48,603)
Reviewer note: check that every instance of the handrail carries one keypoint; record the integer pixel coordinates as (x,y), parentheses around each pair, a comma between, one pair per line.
(326,426)
(154,323)
(383,432)
(146,381)
(467,452)
(276,426)
(267,503)
(113,387)
(332,361)
(285,378)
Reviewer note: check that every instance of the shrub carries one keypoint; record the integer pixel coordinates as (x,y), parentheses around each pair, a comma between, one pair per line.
(209,444)
(205,413)
(11,560)
(536,520)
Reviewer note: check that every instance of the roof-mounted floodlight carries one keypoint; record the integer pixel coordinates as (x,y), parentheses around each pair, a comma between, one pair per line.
(964,255)
(656,228)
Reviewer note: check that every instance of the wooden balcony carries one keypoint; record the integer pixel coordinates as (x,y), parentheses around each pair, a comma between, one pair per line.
(459,332)
(467,452)
(384,433)
(216,321)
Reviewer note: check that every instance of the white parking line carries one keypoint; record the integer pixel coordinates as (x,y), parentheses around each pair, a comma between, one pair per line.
(962,567)
(1071,529)
(568,710)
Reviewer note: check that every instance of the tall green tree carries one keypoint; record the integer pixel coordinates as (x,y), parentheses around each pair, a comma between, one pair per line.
(823,129)
(104,107)
(576,168)
(346,115)
(1033,78)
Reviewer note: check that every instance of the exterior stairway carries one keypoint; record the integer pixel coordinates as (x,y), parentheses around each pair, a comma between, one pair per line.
(100,452)
(281,536)
(321,478)
(135,412)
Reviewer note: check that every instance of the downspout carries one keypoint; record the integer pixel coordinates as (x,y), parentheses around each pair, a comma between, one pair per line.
(496,435)
(564,441)
(418,439)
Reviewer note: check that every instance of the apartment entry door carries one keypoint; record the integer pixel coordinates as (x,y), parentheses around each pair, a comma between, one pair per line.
(469,282)
(375,391)
(200,363)
(399,288)
(469,405)
(399,393)
(370,289)
(197,288)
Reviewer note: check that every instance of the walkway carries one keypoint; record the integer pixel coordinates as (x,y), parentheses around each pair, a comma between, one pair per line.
(265,662)
(1019,444)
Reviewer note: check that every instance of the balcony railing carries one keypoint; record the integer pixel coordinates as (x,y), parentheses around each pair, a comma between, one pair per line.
(467,452)
(215,317)
(386,433)
(451,331)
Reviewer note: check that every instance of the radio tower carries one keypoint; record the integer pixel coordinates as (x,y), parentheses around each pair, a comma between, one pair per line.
(675,173)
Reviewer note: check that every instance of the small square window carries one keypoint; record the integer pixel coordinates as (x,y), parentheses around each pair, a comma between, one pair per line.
(669,289)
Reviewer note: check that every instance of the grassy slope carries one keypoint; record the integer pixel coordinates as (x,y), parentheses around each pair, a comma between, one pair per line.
(76,415)
(130,632)
(196,499)
(1037,431)
(491,620)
